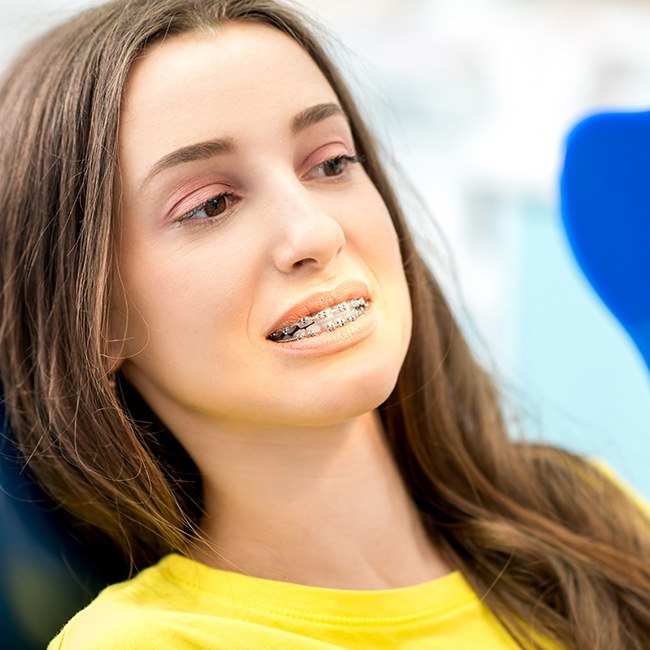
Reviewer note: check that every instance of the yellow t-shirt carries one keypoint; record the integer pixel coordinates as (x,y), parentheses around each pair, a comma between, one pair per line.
(182,604)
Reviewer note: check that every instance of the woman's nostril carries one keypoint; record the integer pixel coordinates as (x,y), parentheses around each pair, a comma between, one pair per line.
(300,263)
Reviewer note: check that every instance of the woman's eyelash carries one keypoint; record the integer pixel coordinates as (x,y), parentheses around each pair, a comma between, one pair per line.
(332,163)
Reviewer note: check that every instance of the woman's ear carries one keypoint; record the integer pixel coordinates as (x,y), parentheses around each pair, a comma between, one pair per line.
(114,355)
(114,344)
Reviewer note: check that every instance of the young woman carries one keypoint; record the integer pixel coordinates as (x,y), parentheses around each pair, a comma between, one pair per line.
(196,222)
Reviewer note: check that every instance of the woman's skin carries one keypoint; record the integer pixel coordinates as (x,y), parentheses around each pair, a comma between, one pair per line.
(299,484)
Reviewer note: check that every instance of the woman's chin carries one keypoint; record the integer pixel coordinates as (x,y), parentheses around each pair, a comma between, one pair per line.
(328,405)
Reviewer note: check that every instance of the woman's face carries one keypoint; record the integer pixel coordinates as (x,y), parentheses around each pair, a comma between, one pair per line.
(243,211)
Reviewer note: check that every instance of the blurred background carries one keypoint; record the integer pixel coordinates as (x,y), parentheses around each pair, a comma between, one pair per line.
(473,99)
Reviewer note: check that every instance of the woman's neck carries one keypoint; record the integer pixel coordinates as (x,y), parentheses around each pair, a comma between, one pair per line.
(327,508)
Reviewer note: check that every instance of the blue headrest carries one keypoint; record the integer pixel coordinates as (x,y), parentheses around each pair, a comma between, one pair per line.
(605,198)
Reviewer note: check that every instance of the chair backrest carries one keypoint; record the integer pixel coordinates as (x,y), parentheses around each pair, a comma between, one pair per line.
(605,200)
(46,573)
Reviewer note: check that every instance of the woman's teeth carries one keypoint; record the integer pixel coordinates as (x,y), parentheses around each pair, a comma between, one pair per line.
(324,321)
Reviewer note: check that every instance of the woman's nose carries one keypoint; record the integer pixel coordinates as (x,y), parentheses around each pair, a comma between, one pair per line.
(307,237)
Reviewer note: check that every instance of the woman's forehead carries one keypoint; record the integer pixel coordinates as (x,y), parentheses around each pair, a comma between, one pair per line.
(239,82)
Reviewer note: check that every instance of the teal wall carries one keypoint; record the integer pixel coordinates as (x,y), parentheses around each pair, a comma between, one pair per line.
(588,383)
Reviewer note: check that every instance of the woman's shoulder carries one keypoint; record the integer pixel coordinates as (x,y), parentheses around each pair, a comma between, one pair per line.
(124,615)
(103,628)
(578,476)
(608,472)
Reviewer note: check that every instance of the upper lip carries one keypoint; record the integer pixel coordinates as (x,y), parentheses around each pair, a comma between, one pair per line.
(317,301)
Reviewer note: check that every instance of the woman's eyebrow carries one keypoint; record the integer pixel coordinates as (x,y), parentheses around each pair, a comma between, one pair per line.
(198,151)
(313,115)
(222,146)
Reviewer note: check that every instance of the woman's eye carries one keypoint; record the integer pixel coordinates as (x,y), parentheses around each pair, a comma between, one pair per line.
(335,166)
(212,208)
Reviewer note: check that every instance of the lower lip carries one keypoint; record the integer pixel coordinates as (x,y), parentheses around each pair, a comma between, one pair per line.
(337,340)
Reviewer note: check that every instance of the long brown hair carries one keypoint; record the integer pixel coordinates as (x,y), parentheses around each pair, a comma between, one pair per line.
(544,538)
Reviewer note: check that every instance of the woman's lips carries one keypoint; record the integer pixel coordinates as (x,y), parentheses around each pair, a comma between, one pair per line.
(329,342)
(317,302)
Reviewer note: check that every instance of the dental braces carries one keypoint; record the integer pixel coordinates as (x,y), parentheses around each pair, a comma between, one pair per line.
(298,331)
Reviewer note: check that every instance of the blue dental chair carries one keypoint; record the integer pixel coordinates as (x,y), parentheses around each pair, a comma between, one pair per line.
(46,572)
(605,201)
